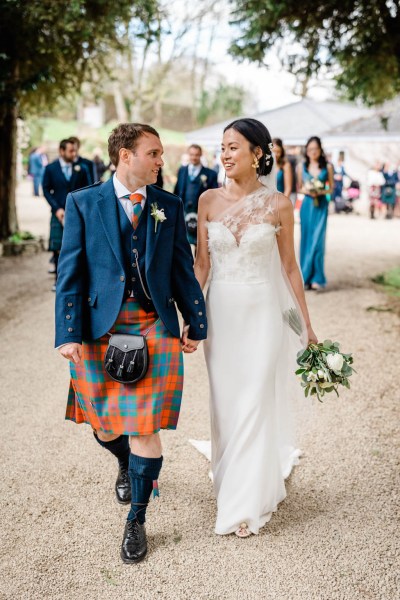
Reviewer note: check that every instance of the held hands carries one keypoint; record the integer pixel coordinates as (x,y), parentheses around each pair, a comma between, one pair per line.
(188,346)
(72,352)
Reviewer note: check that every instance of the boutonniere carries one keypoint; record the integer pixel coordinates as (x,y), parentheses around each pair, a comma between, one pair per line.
(77,168)
(157,214)
(203,179)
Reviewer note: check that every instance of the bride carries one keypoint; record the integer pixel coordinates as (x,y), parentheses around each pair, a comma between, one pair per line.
(257,314)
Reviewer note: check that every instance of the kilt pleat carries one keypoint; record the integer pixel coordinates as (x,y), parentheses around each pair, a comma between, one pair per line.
(143,408)
(56,234)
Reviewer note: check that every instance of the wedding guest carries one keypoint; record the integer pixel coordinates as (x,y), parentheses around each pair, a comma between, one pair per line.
(315,180)
(375,182)
(36,165)
(192,181)
(284,180)
(338,175)
(100,168)
(85,163)
(61,177)
(389,188)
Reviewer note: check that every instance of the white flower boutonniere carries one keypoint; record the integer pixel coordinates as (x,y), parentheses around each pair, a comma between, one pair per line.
(77,168)
(157,214)
(204,179)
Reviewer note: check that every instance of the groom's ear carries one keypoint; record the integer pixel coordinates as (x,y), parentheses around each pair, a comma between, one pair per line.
(124,155)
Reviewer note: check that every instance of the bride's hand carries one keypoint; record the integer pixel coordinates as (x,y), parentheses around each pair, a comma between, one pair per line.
(312,338)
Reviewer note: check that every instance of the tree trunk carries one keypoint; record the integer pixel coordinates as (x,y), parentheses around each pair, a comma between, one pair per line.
(8,170)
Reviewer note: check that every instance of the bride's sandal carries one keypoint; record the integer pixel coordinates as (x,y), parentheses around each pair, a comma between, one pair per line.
(243,531)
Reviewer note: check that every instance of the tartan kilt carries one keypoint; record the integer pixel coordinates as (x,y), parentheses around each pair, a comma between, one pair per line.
(142,408)
(56,234)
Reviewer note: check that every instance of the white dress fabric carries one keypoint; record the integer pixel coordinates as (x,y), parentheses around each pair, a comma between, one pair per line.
(250,354)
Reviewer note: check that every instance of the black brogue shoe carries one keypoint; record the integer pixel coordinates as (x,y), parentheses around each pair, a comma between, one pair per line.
(134,542)
(123,490)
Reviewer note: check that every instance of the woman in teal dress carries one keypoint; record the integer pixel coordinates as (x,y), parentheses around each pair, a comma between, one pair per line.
(284,178)
(314,213)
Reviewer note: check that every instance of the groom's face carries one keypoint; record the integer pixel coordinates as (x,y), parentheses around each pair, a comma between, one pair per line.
(144,162)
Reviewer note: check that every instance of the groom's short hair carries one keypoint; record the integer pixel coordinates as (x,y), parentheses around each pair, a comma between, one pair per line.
(126,135)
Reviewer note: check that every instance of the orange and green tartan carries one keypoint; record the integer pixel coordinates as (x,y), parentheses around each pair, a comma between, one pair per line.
(151,404)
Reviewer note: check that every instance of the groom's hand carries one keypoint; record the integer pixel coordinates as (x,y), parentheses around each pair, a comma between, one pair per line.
(188,345)
(72,352)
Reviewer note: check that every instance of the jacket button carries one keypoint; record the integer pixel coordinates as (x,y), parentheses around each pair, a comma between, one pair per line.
(70,304)
(196,301)
(201,326)
(200,314)
(68,317)
(133,279)
(122,278)
(134,237)
(70,329)
(89,299)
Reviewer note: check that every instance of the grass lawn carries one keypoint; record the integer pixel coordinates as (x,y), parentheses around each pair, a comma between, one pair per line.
(55,130)
(390,281)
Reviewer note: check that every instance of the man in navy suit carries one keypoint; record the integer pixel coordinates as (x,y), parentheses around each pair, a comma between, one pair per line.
(125,255)
(61,177)
(85,163)
(192,181)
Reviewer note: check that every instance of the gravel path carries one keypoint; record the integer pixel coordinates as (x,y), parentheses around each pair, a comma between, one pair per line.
(333,538)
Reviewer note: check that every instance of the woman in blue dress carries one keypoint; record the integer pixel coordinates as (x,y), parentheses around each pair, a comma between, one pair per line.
(284,178)
(314,176)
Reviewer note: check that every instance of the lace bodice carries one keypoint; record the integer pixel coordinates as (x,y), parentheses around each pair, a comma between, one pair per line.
(242,240)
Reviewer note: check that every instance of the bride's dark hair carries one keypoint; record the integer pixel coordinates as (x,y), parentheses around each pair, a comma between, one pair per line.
(256,134)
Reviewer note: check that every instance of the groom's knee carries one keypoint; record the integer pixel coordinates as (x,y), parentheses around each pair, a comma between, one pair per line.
(147,446)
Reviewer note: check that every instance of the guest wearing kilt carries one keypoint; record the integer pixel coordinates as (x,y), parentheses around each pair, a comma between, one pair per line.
(125,263)
(61,177)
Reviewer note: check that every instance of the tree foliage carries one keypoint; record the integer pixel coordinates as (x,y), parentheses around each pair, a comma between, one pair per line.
(222,103)
(48,48)
(356,41)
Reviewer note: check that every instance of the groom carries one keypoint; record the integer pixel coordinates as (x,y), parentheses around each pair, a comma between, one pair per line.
(104,224)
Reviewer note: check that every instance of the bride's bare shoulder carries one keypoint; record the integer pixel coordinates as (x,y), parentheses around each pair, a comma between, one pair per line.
(283,203)
(209,198)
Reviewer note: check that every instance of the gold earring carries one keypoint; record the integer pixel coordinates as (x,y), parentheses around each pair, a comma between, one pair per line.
(256,163)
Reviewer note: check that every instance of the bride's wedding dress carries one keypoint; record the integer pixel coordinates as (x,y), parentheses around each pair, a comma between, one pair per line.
(250,354)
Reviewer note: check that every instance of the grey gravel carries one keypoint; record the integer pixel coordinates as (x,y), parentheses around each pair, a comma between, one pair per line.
(335,537)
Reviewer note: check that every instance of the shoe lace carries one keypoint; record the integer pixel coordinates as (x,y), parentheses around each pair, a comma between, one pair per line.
(133,530)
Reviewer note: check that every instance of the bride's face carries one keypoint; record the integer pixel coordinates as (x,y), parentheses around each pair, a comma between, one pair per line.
(236,155)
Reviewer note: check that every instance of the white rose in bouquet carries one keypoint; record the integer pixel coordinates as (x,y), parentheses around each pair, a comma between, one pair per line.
(335,361)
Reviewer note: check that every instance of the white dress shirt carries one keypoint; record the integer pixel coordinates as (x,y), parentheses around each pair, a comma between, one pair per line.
(65,167)
(194,170)
(121,191)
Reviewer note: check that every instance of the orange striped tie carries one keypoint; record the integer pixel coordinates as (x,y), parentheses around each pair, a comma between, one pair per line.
(136,200)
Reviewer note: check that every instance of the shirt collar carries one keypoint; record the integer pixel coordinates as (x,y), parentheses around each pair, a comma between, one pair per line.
(121,190)
(63,163)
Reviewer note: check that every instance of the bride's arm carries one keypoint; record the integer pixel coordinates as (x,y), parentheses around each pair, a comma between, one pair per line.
(286,250)
(202,263)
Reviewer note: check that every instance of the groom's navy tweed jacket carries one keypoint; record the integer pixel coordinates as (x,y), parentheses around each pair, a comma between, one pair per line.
(91,285)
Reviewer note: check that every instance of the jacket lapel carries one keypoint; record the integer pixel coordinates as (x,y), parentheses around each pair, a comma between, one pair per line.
(153,235)
(108,209)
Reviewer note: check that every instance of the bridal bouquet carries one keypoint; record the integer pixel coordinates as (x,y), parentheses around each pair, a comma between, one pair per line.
(315,186)
(323,368)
